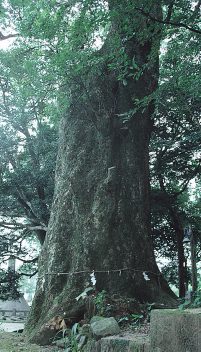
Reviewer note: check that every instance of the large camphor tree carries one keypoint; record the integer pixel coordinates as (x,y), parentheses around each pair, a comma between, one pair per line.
(100,217)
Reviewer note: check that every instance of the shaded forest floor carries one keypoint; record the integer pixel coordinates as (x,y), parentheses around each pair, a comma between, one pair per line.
(14,342)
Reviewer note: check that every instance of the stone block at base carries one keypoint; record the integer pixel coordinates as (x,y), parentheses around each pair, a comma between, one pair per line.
(118,343)
(132,343)
(174,330)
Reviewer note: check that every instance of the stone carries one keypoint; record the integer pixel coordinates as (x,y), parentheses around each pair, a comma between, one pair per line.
(96,318)
(117,344)
(105,327)
(92,346)
(140,344)
(176,330)
(128,343)
(86,330)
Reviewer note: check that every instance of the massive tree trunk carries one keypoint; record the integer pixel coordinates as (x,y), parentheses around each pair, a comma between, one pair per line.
(100,218)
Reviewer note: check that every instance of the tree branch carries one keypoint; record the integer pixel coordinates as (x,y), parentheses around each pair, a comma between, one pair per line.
(171,23)
(24,260)
(4,37)
(186,182)
(29,275)
(18,225)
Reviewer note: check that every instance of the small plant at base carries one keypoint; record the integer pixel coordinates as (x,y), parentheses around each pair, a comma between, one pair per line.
(133,320)
(62,334)
(73,339)
(184,304)
(100,302)
(137,318)
(123,320)
(197,299)
(148,310)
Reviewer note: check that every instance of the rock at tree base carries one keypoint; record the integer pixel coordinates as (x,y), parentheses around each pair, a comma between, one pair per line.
(176,330)
(105,327)
(95,318)
(86,330)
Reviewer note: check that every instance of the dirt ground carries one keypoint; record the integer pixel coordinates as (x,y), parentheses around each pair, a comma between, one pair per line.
(14,342)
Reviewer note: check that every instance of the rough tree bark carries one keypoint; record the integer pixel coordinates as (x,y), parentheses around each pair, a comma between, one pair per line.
(100,218)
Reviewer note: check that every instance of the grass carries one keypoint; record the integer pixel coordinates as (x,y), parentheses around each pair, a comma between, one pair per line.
(13,342)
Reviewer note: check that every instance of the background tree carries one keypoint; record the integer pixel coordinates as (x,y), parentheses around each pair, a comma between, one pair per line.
(9,288)
(175,147)
(28,147)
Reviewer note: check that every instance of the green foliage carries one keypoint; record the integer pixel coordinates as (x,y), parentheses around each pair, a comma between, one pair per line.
(194,302)
(133,320)
(28,148)
(69,338)
(175,142)
(100,302)
(9,285)
(73,339)
(197,299)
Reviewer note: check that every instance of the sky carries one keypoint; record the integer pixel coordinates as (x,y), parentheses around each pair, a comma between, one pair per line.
(4,44)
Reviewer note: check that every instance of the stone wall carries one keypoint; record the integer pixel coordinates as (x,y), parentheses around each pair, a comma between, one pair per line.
(176,330)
